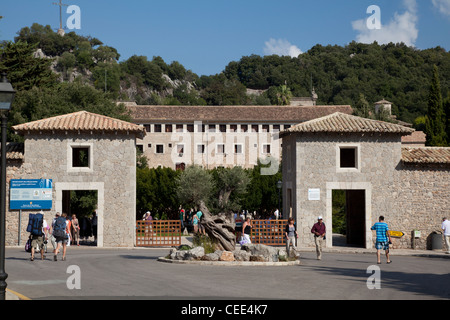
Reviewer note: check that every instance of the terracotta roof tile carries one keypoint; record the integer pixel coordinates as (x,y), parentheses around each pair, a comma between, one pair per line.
(80,121)
(236,114)
(14,151)
(415,137)
(438,155)
(341,123)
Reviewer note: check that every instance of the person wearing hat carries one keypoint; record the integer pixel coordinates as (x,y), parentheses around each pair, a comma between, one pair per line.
(319,231)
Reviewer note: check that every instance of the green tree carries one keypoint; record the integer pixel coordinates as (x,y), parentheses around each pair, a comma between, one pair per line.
(231,185)
(280,96)
(435,118)
(262,192)
(23,70)
(194,185)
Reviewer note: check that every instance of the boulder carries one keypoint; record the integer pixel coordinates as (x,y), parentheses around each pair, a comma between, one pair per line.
(227,256)
(269,253)
(241,255)
(194,254)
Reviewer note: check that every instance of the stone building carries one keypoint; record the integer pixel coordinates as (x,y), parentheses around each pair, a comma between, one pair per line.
(79,151)
(410,186)
(218,136)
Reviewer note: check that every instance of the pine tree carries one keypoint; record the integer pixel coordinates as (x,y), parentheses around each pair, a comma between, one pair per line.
(435,118)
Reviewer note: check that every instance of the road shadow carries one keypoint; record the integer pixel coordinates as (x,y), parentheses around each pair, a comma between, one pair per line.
(419,283)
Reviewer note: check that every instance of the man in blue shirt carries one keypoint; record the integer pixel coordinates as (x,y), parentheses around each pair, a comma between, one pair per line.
(383,238)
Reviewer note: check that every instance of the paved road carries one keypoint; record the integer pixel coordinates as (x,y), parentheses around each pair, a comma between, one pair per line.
(136,274)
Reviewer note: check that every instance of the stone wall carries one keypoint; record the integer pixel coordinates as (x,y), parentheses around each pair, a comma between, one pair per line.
(422,195)
(112,173)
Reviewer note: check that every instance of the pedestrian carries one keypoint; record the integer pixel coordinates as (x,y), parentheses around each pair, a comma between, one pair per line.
(247,230)
(238,222)
(52,238)
(446,227)
(61,235)
(291,234)
(383,238)
(75,230)
(201,229)
(38,237)
(94,222)
(195,221)
(319,231)
(182,214)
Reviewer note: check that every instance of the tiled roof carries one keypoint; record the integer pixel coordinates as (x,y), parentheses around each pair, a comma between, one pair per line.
(232,114)
(80,121)
(14,151)
(345,123)
(415,137)
(439,155)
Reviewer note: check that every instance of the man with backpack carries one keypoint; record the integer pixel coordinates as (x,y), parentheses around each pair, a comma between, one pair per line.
(37,226)
(61,235)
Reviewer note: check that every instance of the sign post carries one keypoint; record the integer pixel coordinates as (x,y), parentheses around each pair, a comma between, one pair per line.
(34,194)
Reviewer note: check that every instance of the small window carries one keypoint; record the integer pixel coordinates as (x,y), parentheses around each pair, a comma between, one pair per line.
(238,148)
(348,157)
(276,128)
(158,128)
(222,128)
(180,128)
(200,148)
(244,128)
(233,128)
(147,128)
(220,149)
(169,128)
(159,148)
(212,128)
(190,128)
(265,128)
(201,128)
(140,147)
(180,148)
(255,128)
(80,157)
(266,148)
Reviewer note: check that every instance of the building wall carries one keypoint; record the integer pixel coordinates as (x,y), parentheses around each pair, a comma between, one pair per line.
(409,197)
(252,146)
(422,197)
(112,173)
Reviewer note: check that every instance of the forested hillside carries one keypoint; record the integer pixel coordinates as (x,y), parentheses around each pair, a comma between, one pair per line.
(340,75)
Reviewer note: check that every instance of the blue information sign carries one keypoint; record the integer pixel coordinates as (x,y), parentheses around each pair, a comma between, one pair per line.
(30,194)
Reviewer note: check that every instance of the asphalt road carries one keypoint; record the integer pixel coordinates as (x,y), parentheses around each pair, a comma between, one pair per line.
(136,274)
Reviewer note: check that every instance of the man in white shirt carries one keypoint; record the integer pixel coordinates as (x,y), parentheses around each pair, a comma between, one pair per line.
(446,227)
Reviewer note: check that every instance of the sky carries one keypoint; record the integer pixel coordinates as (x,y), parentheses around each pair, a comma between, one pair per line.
(206,35)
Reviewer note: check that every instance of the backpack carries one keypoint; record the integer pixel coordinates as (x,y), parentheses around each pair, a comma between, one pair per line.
(35,222)
(28,245)
(59,228)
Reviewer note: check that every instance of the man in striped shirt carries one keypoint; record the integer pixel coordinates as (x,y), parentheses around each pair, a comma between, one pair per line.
(383,238)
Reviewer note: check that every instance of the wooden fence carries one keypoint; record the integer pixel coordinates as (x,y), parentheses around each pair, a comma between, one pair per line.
(167,233)
(268,232)
(158,233)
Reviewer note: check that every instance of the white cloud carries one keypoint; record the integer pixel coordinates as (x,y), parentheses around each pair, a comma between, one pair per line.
(443,6)
(281,47)
(402,28)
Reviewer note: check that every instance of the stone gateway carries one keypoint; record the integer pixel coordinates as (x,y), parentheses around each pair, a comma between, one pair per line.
(80,151)
(365,158)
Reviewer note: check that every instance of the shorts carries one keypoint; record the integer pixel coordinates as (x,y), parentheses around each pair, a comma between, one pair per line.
(61,240)
(382,245)
(37,242)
